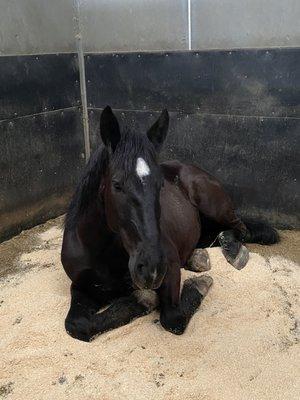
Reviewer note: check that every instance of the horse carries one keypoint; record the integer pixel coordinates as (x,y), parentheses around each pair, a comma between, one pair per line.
(131,226)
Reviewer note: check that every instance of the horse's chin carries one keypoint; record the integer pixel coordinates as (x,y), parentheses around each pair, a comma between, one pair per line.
(139,286)
(145,287)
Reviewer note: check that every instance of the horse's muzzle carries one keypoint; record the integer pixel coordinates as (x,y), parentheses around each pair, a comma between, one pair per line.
(147,266)
(147,280)
(145,275)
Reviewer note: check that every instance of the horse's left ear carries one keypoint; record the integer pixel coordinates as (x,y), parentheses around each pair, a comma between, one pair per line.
(158,131)
(109,128)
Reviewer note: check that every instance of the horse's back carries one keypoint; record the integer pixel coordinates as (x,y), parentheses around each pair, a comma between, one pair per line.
(203,190)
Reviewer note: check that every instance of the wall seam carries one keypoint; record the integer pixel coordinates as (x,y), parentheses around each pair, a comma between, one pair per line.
(13,118)
(196,112)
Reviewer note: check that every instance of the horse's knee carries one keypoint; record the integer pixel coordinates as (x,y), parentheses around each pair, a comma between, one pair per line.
(173,320)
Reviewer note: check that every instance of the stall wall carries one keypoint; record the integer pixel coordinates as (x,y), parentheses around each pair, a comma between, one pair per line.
(227,70)
(41,133)
(228,74)
(133,25)
(223,24)
(149,25)
(37,26)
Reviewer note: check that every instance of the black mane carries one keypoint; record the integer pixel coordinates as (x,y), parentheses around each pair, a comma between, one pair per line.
(86,190)
(131,146)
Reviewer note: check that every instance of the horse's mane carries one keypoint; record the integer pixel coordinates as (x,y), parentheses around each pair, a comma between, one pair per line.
(87,188)
(130,146)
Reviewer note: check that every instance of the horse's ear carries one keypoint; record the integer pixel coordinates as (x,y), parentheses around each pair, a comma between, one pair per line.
(109,128)
(158,131)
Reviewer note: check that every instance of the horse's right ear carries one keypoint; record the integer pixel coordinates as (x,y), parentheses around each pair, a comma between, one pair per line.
(109,128)
(158,131)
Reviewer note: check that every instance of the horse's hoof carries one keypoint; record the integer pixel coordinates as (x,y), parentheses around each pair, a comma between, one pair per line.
(240,261)
(235,253)
(201,283)
(199,261)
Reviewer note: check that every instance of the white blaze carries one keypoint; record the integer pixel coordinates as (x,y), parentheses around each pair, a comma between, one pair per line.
(142,168)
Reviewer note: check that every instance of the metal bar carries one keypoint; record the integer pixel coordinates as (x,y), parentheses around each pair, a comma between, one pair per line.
(85,118)
(189,25)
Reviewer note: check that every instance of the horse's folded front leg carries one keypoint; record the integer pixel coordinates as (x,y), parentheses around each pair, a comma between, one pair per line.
(122,311)
(193,292)
(171,317)
(175,318)
(84,323)
(82,308)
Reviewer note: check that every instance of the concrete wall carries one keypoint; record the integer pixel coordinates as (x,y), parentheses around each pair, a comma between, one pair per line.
(37,26)
(144,25)
(133,25)
(225,24)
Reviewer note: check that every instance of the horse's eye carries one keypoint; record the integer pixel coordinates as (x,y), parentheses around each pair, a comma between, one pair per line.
(117,186)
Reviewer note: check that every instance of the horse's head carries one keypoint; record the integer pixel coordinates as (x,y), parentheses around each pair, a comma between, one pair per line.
(131,194)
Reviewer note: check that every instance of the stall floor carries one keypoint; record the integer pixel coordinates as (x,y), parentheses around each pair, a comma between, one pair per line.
(242,344)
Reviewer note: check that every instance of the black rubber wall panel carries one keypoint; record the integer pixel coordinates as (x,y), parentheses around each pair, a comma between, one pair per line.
(234,113)
(237,82)
(35,84)
(41,136)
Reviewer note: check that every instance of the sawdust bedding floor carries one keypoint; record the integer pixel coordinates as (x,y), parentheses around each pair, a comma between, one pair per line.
(243,343)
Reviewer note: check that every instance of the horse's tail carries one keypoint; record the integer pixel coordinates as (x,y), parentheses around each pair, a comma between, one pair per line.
(260,232)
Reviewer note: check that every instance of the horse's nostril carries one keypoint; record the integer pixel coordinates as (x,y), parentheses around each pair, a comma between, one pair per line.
(139,268)
(153,275)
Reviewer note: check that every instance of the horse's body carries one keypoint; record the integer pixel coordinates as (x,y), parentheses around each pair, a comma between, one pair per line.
(107,261)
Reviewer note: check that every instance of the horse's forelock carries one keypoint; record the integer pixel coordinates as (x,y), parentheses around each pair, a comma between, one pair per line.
(131,147)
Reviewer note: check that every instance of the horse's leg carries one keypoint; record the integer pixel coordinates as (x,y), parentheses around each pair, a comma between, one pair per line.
(175,310)
(84,323)
(207,194)
(87,296)
(193,292)
(233,231)
(124,310)
(81,309)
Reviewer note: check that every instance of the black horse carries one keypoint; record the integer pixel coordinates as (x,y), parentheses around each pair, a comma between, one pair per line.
(133,223)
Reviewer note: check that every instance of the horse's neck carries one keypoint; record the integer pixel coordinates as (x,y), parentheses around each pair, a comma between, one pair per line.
(92,226)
